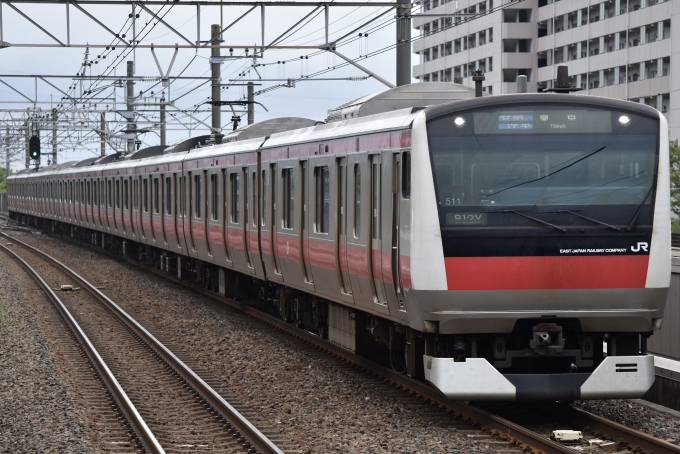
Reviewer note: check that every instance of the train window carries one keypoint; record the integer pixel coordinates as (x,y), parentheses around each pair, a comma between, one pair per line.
(225,207)
(303,170)
(406,175)
(94,194)
(341,198)
(168,196)
(156,196)
(117,193)
(245,203)
(145,190)
(89,193)
(109,197)
(135,192)
(126,194)
(375,205)
(183,199)
(82,193)
(323,199)
(265,192)
(253,210)
(197,196)
(288,198)
(70,191)
(235,197)
(357,201)
(214,196)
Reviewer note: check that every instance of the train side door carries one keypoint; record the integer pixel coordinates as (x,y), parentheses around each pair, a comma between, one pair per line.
(269,190)
(305,223)
(376,259)
(390,199)
(341,230)
(180,209)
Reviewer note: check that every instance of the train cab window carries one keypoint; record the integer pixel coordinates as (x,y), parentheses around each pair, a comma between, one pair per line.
(145,195)
(288,198)
(214,197)
(406,175)
(235,197)
(168,195)
(357,201)
(156,196)
(197,196)
(126,194)
(323,199)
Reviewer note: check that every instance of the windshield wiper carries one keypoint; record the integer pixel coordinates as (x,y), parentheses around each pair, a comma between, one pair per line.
(639,208)
(591,220)
(546,176)
(537,220)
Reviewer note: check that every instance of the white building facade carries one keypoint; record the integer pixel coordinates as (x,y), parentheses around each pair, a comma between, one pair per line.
(616,48)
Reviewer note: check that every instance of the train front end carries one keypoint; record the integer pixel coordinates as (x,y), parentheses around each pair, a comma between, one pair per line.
(540,253)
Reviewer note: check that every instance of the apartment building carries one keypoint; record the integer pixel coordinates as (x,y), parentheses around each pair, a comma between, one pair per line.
(616,48)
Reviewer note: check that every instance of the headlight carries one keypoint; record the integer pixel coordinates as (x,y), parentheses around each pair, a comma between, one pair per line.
(459,121)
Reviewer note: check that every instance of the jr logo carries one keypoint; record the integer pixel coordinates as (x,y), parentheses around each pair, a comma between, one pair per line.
(639,246)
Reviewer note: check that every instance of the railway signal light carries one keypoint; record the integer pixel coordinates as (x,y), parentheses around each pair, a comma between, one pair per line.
(34,147)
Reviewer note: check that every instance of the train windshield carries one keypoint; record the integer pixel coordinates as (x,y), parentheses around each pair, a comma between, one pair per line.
(564,165)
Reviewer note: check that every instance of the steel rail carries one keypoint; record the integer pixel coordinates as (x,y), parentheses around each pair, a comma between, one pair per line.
(146,437)
(634,438)
(256,438)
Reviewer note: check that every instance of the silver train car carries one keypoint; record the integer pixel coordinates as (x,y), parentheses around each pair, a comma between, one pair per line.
(512,247)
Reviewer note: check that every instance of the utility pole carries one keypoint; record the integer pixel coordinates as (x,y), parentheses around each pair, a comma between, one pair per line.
(132,127)
(251,104)
(215,67)
(54,136)
(163,142)
(102,134)
(403,43)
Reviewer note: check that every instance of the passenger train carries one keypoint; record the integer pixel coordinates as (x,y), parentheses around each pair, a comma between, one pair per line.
(512,247)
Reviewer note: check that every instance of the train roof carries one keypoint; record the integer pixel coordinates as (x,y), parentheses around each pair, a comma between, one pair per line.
(422,94)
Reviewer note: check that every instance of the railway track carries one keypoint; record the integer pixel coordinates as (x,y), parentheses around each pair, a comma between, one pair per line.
(167,405)
(507,435)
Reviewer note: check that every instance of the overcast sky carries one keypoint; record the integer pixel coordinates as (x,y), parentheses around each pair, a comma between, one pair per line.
(310,99)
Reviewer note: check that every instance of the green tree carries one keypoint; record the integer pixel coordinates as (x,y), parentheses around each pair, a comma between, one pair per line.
(3,180)
(674,149)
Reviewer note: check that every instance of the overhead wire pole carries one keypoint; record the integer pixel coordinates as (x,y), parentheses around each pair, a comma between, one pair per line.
(131,127)
(28,136)
(215,32)
(7,152)
(102,134)
(54,136)
(162,119)
(403,43)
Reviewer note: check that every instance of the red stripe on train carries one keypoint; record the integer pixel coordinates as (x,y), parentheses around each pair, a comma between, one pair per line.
(515,273)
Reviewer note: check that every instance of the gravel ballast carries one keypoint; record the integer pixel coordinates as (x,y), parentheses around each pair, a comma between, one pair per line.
(35,413)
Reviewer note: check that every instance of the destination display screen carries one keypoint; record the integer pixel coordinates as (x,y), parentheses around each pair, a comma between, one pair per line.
(543,121)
